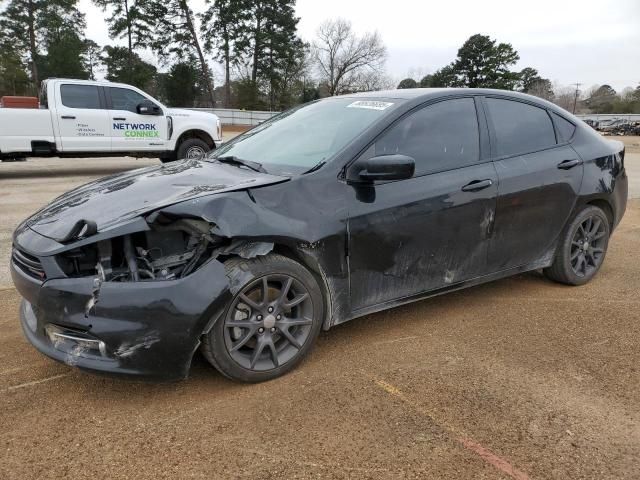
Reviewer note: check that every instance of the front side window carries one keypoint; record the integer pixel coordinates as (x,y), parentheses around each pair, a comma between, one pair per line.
(519,127)
(304,137)
(80,96)
(125,99)
(439,137)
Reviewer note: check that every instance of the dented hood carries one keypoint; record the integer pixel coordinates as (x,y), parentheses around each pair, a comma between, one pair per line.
(112,200)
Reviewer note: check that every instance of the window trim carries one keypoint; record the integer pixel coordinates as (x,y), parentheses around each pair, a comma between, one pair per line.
(484,151)
(101,99)
(557,129)
(492,130)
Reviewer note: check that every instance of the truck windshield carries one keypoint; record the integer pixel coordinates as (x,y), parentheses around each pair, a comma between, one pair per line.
(304,137)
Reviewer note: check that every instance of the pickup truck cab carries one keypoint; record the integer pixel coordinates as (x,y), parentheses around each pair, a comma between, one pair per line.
(82,118)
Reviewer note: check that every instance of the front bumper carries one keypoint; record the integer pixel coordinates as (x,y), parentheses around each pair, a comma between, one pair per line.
(148,329)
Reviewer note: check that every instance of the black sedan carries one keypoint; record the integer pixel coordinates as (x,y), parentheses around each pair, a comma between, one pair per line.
(327,212)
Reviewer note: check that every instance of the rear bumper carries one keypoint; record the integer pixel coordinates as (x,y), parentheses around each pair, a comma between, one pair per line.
(619,197)
(142,329)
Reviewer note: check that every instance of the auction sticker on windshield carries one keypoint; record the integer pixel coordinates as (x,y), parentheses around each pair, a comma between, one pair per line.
(370,104)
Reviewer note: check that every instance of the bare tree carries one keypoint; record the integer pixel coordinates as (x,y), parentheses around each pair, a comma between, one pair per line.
(564,96)
(344,60)
(373,80)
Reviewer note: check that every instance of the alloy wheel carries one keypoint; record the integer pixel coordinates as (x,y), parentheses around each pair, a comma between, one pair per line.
(195,153)
(268,322)
(587,246)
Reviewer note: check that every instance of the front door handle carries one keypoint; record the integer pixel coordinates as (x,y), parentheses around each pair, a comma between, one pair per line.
(567,164)
(122,119)
(477,185)
(68,117)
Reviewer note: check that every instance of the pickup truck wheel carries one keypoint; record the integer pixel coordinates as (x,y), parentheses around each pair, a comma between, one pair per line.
(192,148)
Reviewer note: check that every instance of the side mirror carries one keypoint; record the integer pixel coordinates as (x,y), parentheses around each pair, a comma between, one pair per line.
(147,107)
(384,167)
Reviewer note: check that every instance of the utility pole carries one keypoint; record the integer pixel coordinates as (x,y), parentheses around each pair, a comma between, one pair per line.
(575,98)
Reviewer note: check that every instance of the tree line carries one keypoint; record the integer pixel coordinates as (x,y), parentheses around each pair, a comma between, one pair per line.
(266,65)
(484,63)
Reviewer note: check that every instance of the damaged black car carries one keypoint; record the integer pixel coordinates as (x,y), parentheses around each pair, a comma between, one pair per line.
(327,212)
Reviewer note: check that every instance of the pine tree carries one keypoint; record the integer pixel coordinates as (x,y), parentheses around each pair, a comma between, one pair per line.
(35,25)
(174,35)
(14,79)
(483,63)
(121,67)
(270,45)
(221,25)
(128,20)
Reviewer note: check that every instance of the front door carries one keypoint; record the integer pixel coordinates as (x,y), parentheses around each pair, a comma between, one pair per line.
(131,131)
(540,177)
(411,236)
(83,121)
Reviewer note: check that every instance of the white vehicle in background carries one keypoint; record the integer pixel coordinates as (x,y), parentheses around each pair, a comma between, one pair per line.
(82,118)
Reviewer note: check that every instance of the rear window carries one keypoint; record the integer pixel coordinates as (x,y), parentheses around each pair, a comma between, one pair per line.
(80,96)
(520,127)
(564,128)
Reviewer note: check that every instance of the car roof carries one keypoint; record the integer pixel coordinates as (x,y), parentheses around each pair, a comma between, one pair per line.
(420,94)
(410,93)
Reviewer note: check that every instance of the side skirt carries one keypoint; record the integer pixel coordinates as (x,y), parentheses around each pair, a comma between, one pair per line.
(441,291)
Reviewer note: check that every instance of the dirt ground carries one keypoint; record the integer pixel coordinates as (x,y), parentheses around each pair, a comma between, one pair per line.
(521,378)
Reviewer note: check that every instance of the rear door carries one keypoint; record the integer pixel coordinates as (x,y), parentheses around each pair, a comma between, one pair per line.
(540,176)
(411,236)
(131,131)
(83,121)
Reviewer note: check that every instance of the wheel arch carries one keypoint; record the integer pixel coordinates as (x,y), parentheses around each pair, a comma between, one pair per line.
(195,133)
(312,264)
(606,207)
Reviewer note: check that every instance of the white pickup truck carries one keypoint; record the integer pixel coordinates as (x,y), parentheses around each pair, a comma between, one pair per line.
(81,118)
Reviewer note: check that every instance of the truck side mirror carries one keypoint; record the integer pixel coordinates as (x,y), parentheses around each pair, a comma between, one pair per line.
(147,107)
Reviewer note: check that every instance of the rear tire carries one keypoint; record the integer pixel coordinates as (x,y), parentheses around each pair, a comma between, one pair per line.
(192,148)
(582,248)
(271,323)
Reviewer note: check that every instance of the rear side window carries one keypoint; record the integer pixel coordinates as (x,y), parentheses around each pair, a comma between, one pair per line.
(564,127)
(125,99)
(439,137)
(519,127)
(80,96)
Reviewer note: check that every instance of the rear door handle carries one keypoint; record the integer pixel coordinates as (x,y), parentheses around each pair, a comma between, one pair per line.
(477,185)
(567,164)
(122,119)
(68,117)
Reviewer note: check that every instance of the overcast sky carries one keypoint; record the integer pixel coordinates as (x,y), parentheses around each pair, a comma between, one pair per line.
(588,41)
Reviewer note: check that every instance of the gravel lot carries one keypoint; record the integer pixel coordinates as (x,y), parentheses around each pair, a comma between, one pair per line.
(520,378)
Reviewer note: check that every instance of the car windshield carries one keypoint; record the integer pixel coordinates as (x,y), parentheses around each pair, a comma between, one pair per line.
(304,137)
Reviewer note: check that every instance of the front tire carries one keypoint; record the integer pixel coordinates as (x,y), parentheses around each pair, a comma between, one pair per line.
(192,148)
(271,323)
(582,248)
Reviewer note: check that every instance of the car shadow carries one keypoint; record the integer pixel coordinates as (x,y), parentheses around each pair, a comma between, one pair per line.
(365,331)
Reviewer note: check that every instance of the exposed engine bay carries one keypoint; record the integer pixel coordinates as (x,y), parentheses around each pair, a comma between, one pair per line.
(169,250)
